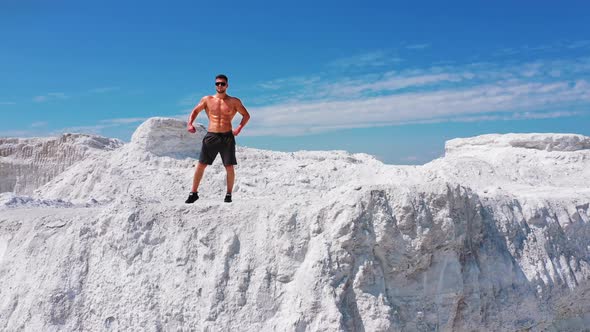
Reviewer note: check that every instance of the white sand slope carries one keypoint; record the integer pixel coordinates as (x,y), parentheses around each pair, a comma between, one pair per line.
(494,236)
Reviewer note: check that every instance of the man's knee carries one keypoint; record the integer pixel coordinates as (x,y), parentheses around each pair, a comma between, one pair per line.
(229,168)
(202,165)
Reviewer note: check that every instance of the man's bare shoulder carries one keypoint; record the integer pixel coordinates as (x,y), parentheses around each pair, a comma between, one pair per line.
(205,99)
(236,100)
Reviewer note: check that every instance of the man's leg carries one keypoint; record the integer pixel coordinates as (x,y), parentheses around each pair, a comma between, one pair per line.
(229,169)
(199,171)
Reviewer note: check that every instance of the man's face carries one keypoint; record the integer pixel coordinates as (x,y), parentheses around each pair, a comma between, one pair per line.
(220,85)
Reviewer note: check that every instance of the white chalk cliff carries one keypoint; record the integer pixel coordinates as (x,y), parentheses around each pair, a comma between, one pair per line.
(28,163)
(493,236)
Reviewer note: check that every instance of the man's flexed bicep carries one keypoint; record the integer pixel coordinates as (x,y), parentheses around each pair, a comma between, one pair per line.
(245,116)
(200,106)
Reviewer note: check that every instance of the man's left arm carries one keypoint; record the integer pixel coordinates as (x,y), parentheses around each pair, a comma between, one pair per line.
(245,116)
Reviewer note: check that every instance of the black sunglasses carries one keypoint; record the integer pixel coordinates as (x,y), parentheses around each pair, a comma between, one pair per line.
(220,83)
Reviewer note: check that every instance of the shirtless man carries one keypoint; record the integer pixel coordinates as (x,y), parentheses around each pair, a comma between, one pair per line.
(220,109)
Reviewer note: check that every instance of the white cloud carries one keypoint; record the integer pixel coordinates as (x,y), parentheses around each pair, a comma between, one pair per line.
(506,117)
(19,133)
(92,129)
(371,59)
(190,100)
(418,46)
(282,83)
(98,129)
(39,124)
(104,89)
(392,82)
(121,121)
(580,44)
(184,115)
(556,46)
(40,127)
(50,96)
(315,88)
(521,99)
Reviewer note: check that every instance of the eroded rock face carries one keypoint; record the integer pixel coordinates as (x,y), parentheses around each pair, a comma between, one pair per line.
(548,142)
(168,137)
(376,259)
(314,241)
(28,163)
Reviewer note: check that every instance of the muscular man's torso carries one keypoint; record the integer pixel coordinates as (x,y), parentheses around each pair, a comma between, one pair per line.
(220,112)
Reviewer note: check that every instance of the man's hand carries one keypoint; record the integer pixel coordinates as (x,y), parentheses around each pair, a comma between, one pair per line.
(191,128)
(237,130)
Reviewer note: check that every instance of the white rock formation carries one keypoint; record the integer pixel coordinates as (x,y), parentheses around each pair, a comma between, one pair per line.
(168,137)
(28,163)
(494,236)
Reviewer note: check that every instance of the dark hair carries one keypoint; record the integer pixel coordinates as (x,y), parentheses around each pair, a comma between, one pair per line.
(222,77)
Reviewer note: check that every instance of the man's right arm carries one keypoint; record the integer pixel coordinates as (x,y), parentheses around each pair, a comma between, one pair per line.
(200,106)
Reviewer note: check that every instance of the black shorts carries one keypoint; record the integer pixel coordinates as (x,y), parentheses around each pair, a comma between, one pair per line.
(222,143)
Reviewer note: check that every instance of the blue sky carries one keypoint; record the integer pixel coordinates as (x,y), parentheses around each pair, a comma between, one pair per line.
(394,80)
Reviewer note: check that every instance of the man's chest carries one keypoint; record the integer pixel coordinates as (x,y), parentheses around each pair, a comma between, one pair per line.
(220,107)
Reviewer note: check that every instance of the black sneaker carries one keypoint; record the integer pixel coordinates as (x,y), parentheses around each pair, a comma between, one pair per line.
(227,198)
(192,197)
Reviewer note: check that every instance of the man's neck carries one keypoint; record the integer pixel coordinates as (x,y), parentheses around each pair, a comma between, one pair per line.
(221,95)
